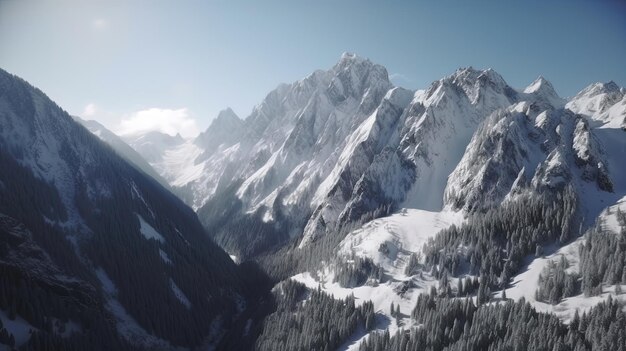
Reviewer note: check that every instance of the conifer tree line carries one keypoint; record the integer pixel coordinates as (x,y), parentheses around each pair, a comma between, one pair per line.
(312,320)
(555,284)
(493,244)
(48,309)
(356,271)
(602,263)
(290,259)
(458,324)
(113,244)
(413,265)
(603,258)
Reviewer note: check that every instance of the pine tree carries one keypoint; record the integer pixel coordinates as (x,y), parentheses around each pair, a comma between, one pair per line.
(369,322)
(398,315)
(575,321)
(483,290)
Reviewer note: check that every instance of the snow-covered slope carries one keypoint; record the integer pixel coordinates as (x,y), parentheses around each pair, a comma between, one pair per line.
(152,145)
(602,102)
(123,149)
(401,235)
(226,130)
(537,143)
(330,149)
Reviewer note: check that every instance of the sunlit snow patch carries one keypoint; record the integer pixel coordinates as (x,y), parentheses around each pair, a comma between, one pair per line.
(402,233)
(165,257)
(148,232)
(18,327)
(180,295)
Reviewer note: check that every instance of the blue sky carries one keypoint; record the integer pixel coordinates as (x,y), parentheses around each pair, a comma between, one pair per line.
(172,65)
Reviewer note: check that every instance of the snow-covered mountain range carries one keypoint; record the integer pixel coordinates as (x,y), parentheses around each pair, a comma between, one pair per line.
(344,152)
(344,143)
(341,181)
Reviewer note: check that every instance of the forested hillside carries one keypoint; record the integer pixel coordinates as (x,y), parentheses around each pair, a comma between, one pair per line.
(94,253)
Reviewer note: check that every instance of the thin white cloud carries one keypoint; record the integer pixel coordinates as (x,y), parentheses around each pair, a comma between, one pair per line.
(166,121)
(90,110)
(399,77)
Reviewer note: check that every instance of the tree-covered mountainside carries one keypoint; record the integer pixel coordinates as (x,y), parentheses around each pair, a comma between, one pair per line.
(94,254)
(523,200)
(312,320)
(452,324)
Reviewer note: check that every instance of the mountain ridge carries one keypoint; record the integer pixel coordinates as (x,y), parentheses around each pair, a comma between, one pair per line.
(302,152)
(79,219)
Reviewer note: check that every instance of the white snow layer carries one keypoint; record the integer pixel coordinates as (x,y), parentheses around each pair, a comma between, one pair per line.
(148,232)
(180,295)
(165,257)
(18,327)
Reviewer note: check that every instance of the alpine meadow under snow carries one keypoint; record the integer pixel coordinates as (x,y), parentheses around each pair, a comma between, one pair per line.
(469,215)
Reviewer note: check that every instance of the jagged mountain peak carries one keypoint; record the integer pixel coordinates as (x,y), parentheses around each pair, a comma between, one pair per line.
(349,55)
(349,58)
(155,135)
(226,128)
(354,75)
(472,74)
(226,114)
(352,79)
(602,102)
(541,89)
(226,121)
(476,84)
(540,85)
(340,142)
(600,88)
